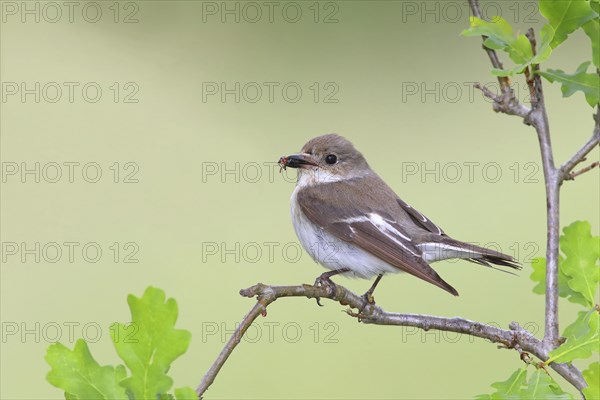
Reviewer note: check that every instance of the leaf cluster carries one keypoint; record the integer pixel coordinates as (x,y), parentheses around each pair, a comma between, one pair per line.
(564,17)
(147,351)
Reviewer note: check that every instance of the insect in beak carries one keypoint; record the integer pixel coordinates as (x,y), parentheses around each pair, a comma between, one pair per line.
(282,163)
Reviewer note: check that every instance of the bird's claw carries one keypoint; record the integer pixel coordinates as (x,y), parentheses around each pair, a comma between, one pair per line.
(324,281)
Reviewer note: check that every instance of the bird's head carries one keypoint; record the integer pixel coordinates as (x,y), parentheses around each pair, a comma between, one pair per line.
(327,158)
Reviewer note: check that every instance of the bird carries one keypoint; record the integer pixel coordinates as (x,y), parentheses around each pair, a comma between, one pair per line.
(352,223)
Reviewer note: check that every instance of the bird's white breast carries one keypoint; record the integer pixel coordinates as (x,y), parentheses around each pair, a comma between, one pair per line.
(328,250)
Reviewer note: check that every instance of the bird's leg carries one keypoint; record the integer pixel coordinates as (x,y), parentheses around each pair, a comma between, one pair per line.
(368,296)
(325,280)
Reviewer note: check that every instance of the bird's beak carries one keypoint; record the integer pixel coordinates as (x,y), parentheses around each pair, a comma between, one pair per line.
(297,161)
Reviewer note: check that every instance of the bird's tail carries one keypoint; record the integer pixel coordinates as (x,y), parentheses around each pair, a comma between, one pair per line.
(445,247)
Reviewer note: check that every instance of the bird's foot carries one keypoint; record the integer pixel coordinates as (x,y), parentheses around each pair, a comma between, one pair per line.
(324,281)
(368,297)
(369,301)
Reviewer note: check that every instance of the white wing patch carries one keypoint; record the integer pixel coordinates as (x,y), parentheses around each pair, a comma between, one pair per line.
(382,224)
(352,220)
(384,227)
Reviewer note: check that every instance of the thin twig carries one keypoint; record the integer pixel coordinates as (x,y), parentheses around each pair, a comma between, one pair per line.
(567,167)
(514,338)
(503,80)
(530,80)
(506,102)
(582,171)
(258,309)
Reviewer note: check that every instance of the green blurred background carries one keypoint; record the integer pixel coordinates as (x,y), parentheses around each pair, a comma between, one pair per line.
(392,76)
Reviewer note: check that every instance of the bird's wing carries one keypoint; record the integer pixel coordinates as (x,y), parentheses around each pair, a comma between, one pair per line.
(420,219)
(375,231)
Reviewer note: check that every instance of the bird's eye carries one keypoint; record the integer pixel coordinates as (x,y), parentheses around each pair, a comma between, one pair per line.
(331,159)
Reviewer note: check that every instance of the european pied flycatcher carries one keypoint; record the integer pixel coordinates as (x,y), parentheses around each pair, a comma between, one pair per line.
(351,222)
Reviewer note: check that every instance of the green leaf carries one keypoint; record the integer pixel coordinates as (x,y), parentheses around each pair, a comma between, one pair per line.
(155,345)
(519,50)
(500,36)
(539,275)
(582,251)
(539,386)
(589,84)
(544,48)
(592,378)
(186,393)
(542,386)
(80,376)
(566,16)
(578,275)
(508,389)
(582,336)
(592,29)
(499,32)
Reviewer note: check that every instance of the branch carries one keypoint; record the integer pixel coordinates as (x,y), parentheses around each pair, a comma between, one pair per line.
(513,338)
(567,167)
(260,308)
(538,118)
(506,103)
